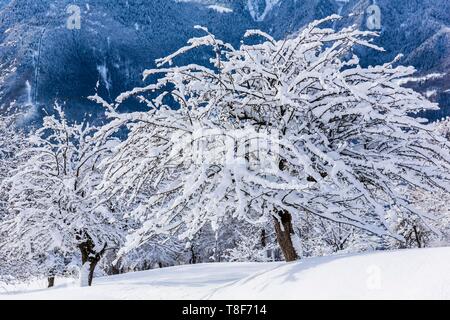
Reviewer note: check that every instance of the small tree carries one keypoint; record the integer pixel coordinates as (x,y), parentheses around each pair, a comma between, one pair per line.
(52,209)
(276,130)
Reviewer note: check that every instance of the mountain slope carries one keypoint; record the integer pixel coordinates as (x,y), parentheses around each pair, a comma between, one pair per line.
(119,39)
(418,29)
(116,42)
(408,274)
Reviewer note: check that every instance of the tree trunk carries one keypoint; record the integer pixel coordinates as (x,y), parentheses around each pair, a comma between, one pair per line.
(51,281)
(284,229)
(263,238)
(193,256)
(92,266)
(115,270)
(284,232)
(89,259)
(418,236)
(88,269)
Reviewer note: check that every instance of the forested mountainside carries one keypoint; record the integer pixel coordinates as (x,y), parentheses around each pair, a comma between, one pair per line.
(42,60)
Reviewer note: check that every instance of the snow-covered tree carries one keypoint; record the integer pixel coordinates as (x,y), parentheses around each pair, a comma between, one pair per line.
(274,131)
(437,203)
(321,237)
(443,127)
(53,215)
(213,244)
(249,248)
(419,233)
(157,252)
(12,143)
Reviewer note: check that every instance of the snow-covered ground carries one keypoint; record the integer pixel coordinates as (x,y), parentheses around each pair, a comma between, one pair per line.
(408,274)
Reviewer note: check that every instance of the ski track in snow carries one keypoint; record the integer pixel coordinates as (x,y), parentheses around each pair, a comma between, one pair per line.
(407,274)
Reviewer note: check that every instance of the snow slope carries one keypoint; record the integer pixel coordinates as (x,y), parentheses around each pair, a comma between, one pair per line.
(409,274)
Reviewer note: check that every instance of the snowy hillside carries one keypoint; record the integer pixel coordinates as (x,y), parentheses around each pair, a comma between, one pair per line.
(279,132)
(412,274)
